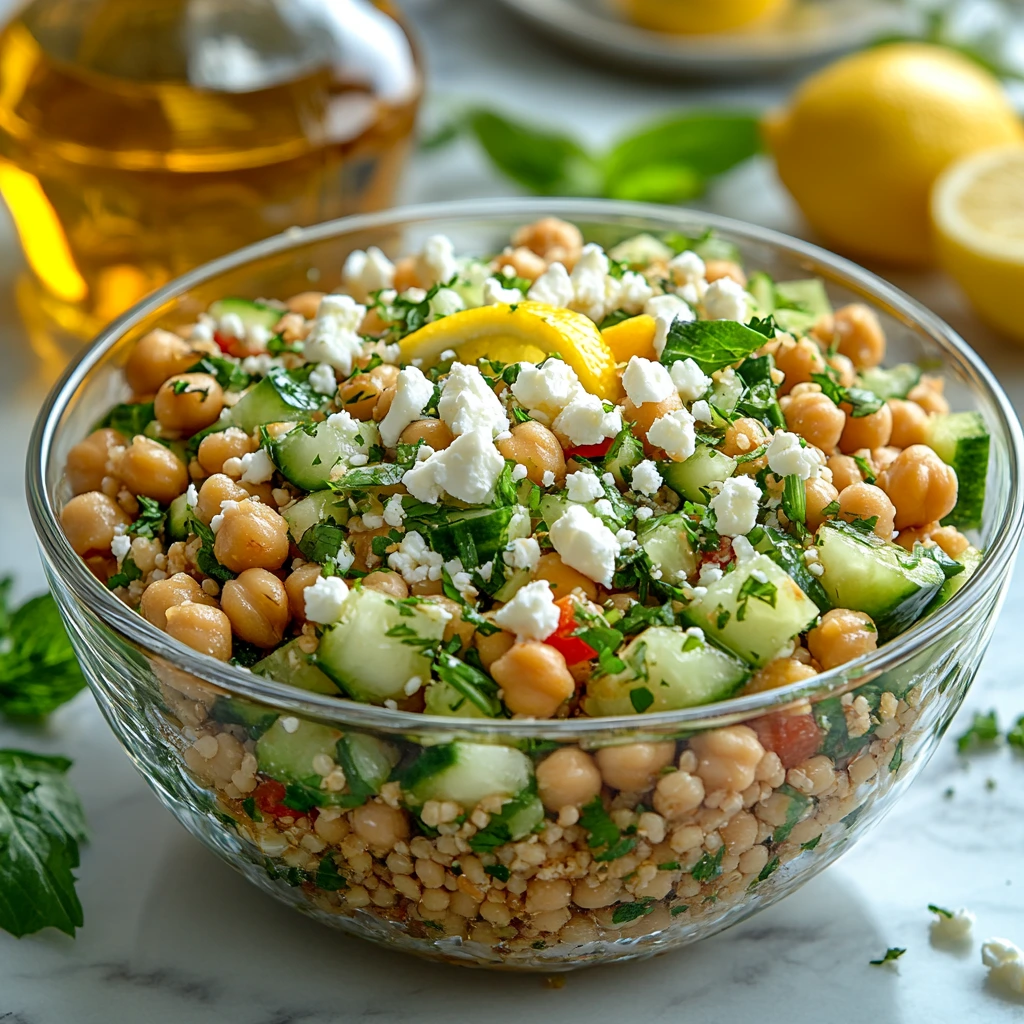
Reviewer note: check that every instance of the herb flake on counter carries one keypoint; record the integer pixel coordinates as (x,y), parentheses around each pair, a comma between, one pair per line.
(1015,737)
(983,731)
(892,954)
(941,911)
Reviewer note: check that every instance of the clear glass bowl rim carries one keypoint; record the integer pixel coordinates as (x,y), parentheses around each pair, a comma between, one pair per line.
(239,682)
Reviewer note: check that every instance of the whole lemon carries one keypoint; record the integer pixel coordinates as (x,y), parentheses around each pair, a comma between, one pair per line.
(696,17)
(862,142)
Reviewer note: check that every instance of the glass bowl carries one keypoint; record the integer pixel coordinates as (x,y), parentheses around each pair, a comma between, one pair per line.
(673,862)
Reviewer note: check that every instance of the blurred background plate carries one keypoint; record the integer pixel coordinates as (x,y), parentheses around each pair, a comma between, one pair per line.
(814,30)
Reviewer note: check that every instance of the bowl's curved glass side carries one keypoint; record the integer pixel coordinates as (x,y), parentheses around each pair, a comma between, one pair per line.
(471,884)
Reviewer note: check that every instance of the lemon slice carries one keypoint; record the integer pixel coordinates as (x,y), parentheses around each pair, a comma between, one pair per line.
(977,209)
(523,332)
(632,337)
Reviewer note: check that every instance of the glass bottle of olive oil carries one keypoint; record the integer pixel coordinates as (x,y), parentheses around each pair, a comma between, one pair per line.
(139,138)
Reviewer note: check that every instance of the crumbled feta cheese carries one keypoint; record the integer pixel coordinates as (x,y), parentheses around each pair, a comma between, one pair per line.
(371,522)
(532,613)
(467,469)
(467,404)
(953,929)
(646,381)
(735,506)
(120,545)
(743,549)
(334,338)
(687,268)
(584,486)
(725,300)
(758,574)
(325,598)
(643,513)
(584,420)
(548,479)
(701,412)
(585,544)
(674,432)
(218,519)
(191,496)
(787,456)
(666,309)
(689,379)
(259,365)
(437,263)
(446,302)
(203,329)
(412,393)
(816,569)
(290,724)
(359,459)
(603,507)
(394,514)
(462,581)
(424,452)
(595,294)
(522,553)
(519,472)
(322,379)
(369,271)
(494,292)
(486,570)
(634,292)
(414,559)
(546,390)
(414,295)
(626,540)
(554,287)
(646,478)
(230,326)
(709,573)
(256,467)
(1005,963)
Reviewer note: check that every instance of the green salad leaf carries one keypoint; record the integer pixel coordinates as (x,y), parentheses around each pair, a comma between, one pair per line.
(129,418)
(711,344)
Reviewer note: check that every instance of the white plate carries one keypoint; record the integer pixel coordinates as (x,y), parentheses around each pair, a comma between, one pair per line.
(812,30)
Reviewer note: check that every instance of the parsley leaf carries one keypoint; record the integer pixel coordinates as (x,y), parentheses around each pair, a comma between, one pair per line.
(708,867)
(130,418)
(38,667)
(861,401)
(983,731)
(150,522)
(230,376)
(794,500)
(322,542)
(891,954)
(641,698)
(626,912)
(478,688)
(711,344)
(1015,737)
(941,911)
(498,830)
(205,558)
(327,875)
(604,833)
(765,591)
(41,825)
(361,478)
(640,616)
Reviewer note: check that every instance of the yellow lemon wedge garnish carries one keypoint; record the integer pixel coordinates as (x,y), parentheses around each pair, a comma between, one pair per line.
(632,337)
(521,332)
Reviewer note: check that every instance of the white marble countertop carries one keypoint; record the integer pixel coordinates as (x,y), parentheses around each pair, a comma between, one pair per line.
(173,936)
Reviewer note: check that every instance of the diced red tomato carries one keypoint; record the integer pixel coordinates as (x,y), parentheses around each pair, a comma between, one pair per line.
(591,451)
(793,737)
(572,648)
(268,796)
(225,341)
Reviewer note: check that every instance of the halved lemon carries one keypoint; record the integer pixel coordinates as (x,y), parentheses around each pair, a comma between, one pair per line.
(522,332)
(632,337)
(977,209)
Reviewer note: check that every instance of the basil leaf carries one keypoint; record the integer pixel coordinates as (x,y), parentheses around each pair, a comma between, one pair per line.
(657,183)
(41,825)
(711,344)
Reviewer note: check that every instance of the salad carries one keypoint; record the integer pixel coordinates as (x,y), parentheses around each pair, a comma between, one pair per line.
(553,482)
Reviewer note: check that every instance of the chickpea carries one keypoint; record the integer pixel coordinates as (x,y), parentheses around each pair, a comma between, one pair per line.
(295,587)
(567,778)
(841,636)
(859,334)
(362,547)
(86,464)
(818,493)
(251,536)
(379,825)
(216,449)
(390,583)
(305,304)
(89,521)
(358,395)
(928,393)
(715,270)
(881,458)
(743,436)
(563,578)
(844,471)
(534,446)
(778,673)
(678,793)
(203,627)
(217,489)
(147,467)
(797,360)
(644,416)
(922,487)
(635,767)
(727,758)
(383,404)
(534,678)
(523,262)
(432,432)
(155,358)
(543,896)
(456,625)
(864,501)
(492,646)
(427,588)
(816,418)
(909,423)
(188,402)
(594,892)
(872,431)
(844,368)
(257,605)
(552,238)
(949,538)
(169,593)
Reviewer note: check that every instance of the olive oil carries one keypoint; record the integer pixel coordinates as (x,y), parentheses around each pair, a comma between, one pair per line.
(139,138)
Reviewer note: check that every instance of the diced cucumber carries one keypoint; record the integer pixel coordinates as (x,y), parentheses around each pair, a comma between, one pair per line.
(443,699)
(514,579)
(800,304)
(479,535)
(625,453)
(379,644)
(310,456)
(640,251)
(466,773)
(177,519)
(291,665)
(726,392)
(890,381)
(366,761)
(754,611)
(277,398)
(252,314)
(288,755)
(667,542)
(318,507)
(762,287)
(970,560)
(666,670)
(693,478)
(238,711)
(870,575)
(961,440)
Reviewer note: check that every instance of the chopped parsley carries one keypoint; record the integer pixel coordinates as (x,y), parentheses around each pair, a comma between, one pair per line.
(626,912)
(891,954)
(897,758)
(641,698)
(128,573)
(983,731)
(1015,737)
(605,836)
(498,871)
(941,911)
(708,866)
